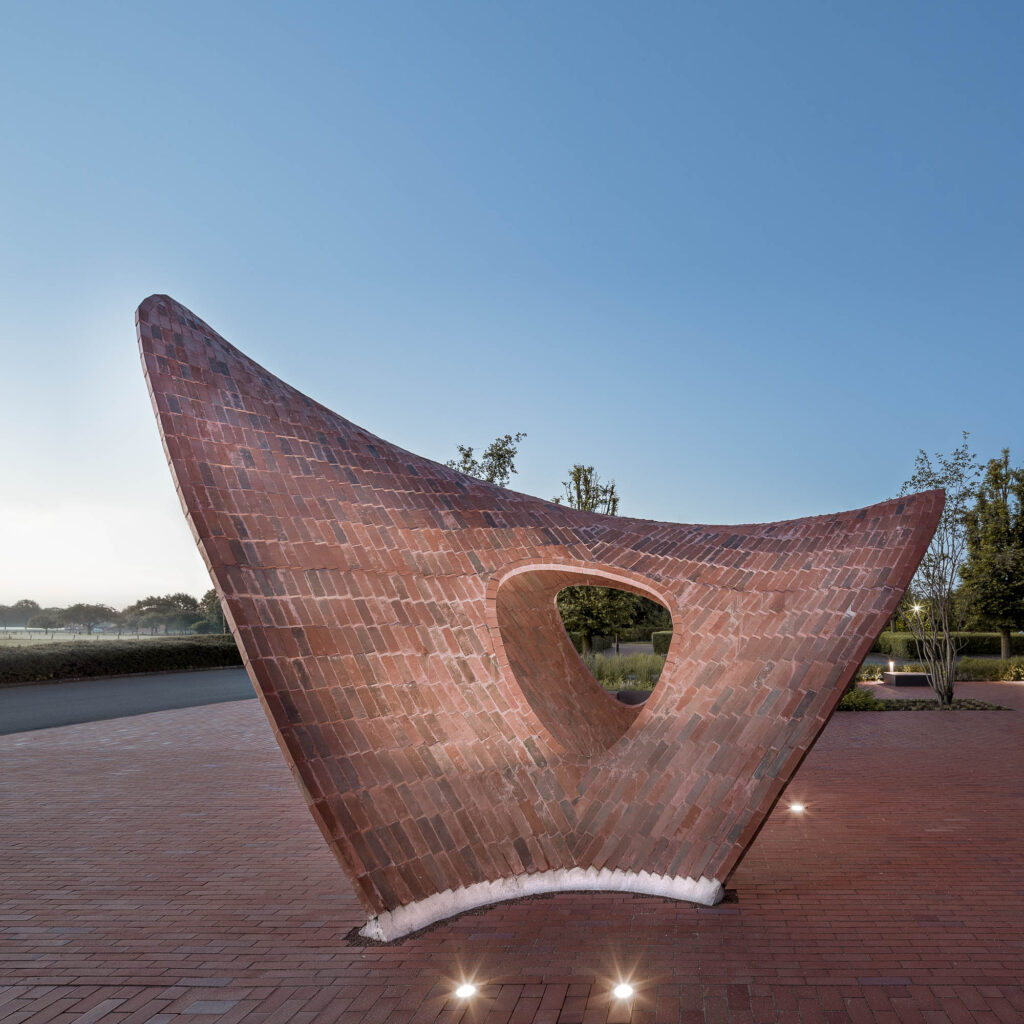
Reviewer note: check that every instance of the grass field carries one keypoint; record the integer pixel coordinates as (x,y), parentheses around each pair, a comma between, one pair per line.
(626,671)
(26,637)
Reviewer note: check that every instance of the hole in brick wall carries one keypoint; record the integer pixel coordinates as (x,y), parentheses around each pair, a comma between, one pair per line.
(571,704)
(612,631)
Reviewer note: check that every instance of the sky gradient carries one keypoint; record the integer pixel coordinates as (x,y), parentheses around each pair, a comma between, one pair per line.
(746,259)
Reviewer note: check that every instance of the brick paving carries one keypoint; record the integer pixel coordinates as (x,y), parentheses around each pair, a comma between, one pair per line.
(163,869)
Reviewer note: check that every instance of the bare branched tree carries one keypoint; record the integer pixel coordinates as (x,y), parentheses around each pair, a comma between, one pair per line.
(931,608)
(584,490)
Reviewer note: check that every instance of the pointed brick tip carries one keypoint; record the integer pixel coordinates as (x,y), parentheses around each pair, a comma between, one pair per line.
(161,303)
(413,916)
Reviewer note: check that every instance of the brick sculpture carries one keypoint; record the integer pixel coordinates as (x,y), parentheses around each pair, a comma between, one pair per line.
(398,619)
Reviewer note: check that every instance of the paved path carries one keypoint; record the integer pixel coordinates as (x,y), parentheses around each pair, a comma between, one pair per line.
(45,705)
(164,869)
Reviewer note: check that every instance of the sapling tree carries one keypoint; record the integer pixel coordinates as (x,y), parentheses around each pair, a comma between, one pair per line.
(594,611)
(932,611)
(584,490)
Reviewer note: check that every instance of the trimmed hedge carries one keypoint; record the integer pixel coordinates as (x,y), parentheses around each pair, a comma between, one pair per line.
(661,639)
(901,645)
(989,670)
(69,659)
(978,670)
(597,643)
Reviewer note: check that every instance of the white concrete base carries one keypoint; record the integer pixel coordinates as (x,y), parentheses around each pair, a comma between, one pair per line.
(413,916)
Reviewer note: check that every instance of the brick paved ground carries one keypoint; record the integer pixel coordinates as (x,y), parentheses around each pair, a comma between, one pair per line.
(163,868)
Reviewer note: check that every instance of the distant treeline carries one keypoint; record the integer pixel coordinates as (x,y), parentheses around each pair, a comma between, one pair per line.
(169,613)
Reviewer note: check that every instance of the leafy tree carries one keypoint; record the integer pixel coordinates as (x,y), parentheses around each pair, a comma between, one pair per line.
(933,612)
(497,463)
(172,611)
(584,490)
(212,620)
(88,615)
(597,611)
(48,618)
(993,574)
(209,604)
(19,613)
(651,616)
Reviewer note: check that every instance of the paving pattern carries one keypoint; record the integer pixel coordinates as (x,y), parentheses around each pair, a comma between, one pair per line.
(399,620)
(159,869)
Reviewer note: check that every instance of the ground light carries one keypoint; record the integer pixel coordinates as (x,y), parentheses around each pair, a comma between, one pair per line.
(797,808)
(466,990)
(623,990)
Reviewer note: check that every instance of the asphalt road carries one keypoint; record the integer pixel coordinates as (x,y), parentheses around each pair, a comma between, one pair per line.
(44,705)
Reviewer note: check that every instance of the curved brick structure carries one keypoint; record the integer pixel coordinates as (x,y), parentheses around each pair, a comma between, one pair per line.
(399,621)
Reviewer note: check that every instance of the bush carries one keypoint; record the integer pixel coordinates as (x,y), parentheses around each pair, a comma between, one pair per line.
(902,645)
(859,699)
(70,659)
(990,670)
(869,674)
(661,639)
(1015,672)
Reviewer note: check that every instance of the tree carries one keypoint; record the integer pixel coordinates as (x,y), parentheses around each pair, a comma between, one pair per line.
(48,618)
(88,615)
(172,611)
(993,574)
(212,620)
(594,611)
(584,490)
(18,613)
(932,612)
(496,465)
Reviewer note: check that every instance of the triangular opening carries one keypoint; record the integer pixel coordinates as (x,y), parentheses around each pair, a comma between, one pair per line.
(580,713)
(622,637)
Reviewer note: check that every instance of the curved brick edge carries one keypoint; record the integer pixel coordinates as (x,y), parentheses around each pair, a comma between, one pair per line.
(412,917)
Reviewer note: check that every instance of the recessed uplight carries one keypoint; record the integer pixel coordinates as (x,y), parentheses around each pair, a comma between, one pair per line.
(797,808)
(623,990)
(466,990)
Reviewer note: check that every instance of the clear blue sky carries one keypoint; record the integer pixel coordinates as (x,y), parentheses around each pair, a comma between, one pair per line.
(746,259)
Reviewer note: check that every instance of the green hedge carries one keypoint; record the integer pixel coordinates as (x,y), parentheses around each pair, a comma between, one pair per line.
(70,659)
(635,635)
(661,639)
(990,670)
(976,645)
(597,643)
(981,670)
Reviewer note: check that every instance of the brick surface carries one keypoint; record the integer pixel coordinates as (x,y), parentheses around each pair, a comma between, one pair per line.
(144,858)
(399,621)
